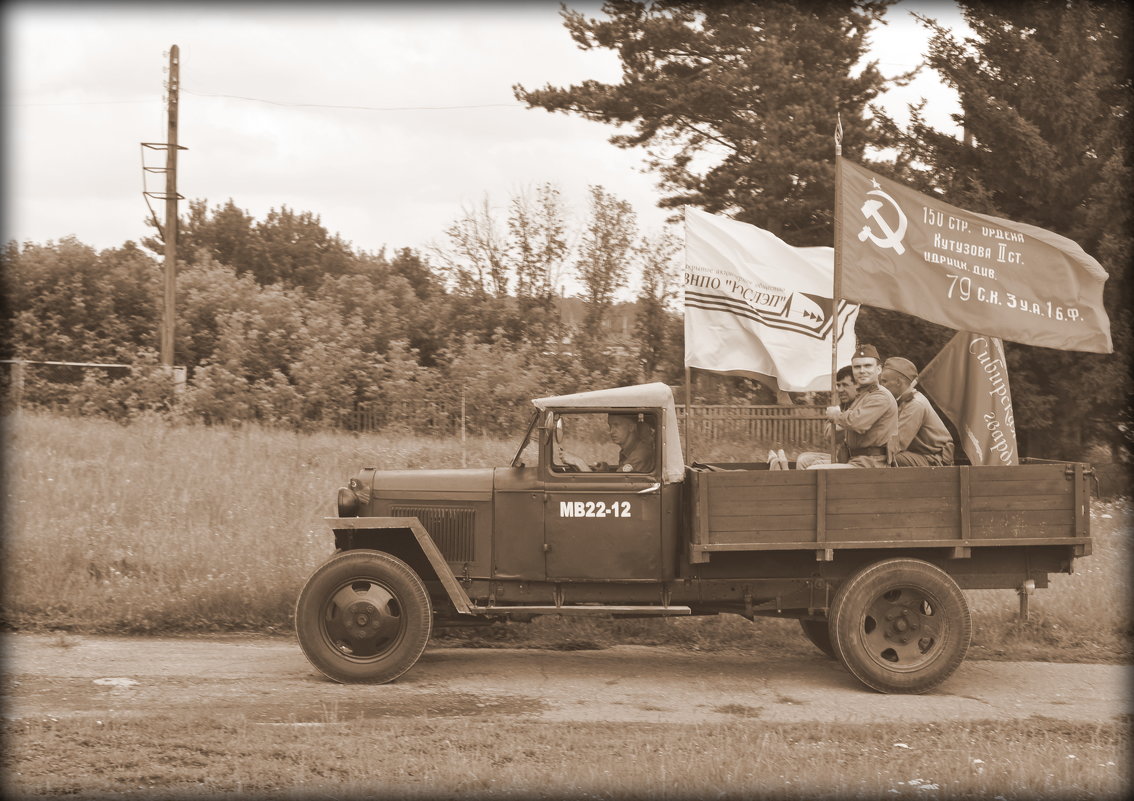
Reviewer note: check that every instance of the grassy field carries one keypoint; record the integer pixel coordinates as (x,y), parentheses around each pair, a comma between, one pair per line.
(150,527)
(220,754)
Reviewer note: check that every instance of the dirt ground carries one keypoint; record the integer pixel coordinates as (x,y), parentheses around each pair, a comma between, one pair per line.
(268,680)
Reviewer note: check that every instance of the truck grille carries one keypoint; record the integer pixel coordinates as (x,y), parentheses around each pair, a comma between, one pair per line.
(451,528)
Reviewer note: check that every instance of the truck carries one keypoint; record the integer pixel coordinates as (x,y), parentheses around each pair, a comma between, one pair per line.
(871,562)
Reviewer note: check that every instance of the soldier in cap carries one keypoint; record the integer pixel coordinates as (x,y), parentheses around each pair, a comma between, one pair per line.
(923,439)
(635,440)
(871,422)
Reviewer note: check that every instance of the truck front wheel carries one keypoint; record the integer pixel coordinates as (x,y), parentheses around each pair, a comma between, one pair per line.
(900,626)
(363,616)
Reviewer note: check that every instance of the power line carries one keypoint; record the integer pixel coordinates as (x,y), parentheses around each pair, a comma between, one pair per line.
(296,105)
(320,105)
(356,108)
(87,102)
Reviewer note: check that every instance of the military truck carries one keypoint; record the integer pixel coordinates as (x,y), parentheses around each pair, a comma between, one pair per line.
(871,562)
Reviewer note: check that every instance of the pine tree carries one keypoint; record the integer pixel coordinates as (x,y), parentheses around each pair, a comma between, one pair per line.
(735,102)
(1045,96)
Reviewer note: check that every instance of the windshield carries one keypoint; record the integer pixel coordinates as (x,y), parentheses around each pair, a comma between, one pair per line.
(522,459)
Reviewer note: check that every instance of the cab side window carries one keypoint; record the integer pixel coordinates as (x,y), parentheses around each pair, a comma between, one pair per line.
(598,442)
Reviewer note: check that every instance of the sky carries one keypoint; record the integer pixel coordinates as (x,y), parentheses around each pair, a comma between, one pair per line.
(432,128)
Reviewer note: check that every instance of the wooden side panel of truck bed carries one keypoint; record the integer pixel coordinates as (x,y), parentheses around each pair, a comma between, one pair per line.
(915,507)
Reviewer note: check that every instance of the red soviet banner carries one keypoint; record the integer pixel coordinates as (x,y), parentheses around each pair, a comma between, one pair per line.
(968,380)
(906,251)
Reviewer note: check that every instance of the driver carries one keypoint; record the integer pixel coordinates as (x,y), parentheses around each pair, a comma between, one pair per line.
(635,441)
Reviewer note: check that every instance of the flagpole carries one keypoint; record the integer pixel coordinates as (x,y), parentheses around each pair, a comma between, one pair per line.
(688,372)
(838,273)
(688,405)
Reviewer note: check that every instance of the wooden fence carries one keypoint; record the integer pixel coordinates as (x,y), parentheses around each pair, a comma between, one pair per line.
(786,424)
(780,425)
(427,416)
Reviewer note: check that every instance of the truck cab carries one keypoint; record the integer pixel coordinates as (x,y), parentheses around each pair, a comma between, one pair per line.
(551,517)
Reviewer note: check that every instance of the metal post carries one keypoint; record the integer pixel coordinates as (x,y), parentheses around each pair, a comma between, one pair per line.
(18,377)
(464,452)
(169,295)
(1024,591)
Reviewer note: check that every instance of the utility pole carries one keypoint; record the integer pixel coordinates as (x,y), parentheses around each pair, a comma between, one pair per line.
(169,295)
(168,232)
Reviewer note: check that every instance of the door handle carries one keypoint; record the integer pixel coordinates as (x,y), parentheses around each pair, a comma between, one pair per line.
(651,488)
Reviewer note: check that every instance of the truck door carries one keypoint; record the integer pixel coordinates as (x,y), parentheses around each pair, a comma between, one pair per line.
(603,524)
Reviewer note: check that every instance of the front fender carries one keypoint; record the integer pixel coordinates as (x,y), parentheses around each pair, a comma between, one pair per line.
(424,542)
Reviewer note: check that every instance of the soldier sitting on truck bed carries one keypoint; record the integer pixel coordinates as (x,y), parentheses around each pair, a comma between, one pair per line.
(636,451)
(923,440)
(871,422)
(846,390)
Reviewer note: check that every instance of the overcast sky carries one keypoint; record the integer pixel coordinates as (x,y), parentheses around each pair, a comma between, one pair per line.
(84,87)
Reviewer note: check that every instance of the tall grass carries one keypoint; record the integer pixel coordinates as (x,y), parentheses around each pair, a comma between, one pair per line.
(150,527)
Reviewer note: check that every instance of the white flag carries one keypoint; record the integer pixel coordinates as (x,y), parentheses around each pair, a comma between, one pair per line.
(756,305)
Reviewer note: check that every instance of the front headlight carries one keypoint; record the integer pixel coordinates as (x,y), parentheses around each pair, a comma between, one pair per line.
(348,502)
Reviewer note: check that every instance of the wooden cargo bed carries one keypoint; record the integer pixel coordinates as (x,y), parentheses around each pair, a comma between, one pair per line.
(933,507)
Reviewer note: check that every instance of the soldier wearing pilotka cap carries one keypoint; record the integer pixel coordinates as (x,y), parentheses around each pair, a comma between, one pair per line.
(871,422)
(923,440)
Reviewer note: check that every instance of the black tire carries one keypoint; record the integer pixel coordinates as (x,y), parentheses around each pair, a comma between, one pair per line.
(900,626)
(363,616)
(818,632)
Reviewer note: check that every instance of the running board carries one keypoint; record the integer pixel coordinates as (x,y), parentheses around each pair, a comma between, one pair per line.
(581,611)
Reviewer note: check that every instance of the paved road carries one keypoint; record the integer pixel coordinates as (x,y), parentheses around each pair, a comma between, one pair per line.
(268,679)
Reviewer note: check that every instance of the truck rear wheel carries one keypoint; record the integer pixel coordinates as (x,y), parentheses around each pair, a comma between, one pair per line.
(363,616)
(900,626)
(819,633)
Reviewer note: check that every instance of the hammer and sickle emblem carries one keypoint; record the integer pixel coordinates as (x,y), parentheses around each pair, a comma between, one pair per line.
(889,238)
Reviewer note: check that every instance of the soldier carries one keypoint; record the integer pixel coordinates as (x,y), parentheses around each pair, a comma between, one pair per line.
(923,440)
(635,441)
(871,422)
(846,390)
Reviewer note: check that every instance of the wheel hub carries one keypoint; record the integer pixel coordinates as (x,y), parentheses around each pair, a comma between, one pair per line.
(363,617)
(362,620)
(903,622)
(900,629)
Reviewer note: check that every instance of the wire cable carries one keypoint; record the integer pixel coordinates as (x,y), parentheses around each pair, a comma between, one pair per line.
(87,102)
(355,108)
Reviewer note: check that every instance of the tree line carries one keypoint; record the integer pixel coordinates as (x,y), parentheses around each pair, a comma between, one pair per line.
(733,105)
(279,320)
